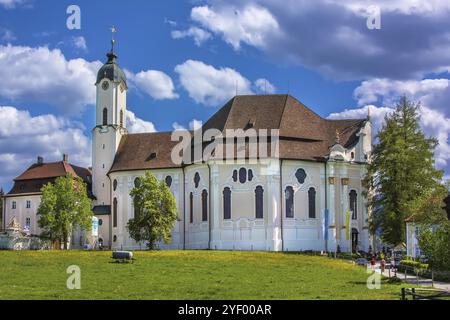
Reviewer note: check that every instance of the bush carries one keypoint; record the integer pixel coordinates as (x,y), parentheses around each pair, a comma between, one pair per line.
(413,264)
(413,267)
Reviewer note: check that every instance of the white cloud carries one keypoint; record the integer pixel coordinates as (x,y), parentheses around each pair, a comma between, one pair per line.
(43,75)
(434,117)
(199,35)
(11,4)
(23,137)
(250,24)
(264,86)
(172,23)
(434,124)
(177,126)
(7,35)
(371,91)
(331,36)
(79,43)
(403,6)
(156,84)
(137,125)
(210,86)
(377,115)
(194,124)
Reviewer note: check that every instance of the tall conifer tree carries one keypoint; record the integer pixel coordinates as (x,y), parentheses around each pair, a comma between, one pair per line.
(401,170)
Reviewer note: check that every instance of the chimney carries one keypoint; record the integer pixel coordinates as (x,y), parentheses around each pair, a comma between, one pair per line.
(65,157)
(40,160)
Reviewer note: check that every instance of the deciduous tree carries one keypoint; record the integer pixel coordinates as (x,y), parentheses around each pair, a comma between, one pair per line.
(155,211)
(64,205)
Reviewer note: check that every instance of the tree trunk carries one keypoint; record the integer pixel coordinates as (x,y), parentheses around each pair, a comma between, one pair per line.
(65,240)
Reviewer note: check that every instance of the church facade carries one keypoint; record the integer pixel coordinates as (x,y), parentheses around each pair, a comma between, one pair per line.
(305,194)
(297,200)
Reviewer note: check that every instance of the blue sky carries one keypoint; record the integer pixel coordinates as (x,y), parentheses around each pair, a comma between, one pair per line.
(183,59)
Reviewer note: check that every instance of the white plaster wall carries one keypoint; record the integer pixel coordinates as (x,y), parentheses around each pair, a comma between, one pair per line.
(197,232)
(125,210)
(302,232)
(22,212)
(244,231)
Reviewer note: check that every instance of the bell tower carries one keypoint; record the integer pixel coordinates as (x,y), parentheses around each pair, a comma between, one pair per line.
(110,123)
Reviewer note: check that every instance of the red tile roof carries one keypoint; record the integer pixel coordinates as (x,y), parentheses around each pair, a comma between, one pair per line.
(38,174)
(304,135)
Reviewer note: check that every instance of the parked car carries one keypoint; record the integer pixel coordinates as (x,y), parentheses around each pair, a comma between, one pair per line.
(362,262)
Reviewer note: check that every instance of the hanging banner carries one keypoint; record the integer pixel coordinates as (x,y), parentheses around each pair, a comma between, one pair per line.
(94,226)
(347,225)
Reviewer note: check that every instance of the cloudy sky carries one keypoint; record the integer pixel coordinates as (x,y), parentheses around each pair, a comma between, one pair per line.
(185,59)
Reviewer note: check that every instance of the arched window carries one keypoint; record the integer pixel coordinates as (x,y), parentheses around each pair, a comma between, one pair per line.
(196,179)
(191,207)
(250,175)
(226,203)
(135,209)
(312,203)
(137,182)
(115,212)
(105,116)
(169,181)
(114,184)
(204,205)
(235,173)
(354,204)
(259,202)
(121,118)
(289,194)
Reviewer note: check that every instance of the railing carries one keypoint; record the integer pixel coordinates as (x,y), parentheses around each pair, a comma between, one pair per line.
(425,294)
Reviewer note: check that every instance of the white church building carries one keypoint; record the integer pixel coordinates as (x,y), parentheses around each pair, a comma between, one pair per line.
(294,200)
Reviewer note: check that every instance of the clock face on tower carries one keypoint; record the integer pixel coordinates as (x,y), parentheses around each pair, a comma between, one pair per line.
(105,85)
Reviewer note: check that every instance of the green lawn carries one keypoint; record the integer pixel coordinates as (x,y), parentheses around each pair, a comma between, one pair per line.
(185,275)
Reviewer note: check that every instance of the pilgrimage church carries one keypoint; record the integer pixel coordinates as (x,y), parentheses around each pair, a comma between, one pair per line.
(306,196)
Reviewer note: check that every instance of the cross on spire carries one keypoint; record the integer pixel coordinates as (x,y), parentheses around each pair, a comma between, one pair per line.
(113,40)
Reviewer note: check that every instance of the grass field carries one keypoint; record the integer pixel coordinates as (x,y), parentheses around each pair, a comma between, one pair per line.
(185,275)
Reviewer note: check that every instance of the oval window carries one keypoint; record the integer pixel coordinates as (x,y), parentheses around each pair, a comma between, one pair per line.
(242,175)
(169,181)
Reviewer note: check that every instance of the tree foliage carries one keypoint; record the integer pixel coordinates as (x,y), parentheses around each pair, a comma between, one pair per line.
(434,242)
(401,171)
(429,208)
(155,211)
(64,205)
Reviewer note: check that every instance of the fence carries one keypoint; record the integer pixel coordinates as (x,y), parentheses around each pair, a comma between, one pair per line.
(425,294)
